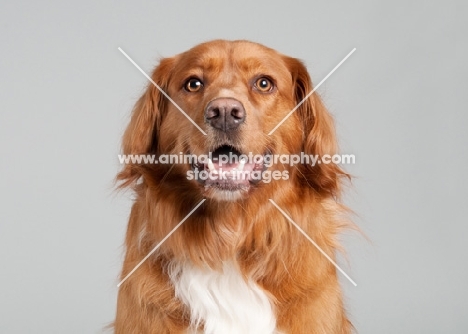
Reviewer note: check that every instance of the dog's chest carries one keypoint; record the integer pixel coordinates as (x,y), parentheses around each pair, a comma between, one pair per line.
(224,302)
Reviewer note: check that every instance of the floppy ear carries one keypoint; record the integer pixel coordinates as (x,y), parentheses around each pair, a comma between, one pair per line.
(141,135)
(319,137)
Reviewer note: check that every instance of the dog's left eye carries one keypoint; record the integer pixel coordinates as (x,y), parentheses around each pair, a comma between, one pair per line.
(193,85)
(264,85)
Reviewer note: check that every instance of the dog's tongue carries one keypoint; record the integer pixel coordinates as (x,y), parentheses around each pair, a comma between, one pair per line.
(228,159)
(230,169)
(225,157)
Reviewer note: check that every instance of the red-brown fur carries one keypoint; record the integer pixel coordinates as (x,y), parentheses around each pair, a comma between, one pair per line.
(301,281)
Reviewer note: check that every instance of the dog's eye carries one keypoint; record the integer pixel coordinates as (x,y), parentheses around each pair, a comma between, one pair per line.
(264,85)
(193,85)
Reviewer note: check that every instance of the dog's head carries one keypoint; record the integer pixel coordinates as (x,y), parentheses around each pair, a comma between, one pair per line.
(236,92)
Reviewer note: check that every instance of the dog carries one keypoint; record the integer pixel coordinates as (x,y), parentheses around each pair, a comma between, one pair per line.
(236,264)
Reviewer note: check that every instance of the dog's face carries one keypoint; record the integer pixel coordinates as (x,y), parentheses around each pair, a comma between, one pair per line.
(236,92)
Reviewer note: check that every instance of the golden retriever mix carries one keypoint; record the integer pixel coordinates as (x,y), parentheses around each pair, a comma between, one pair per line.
(236,264)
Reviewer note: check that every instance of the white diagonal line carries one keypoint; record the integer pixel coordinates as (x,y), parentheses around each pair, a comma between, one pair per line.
(162,91)
(160,243)
(308,95)
(312,241)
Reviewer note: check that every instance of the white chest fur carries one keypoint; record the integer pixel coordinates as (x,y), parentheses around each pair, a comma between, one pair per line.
(223,301)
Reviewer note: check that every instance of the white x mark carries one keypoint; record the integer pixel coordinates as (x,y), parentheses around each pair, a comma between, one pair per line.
(160,243)
(162,91)
(312,241)
(308,95)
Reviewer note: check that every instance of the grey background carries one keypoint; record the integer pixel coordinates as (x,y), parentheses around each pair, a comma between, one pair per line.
(400,105)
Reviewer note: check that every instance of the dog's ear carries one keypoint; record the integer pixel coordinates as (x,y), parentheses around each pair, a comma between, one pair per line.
(141,134)
(319,137)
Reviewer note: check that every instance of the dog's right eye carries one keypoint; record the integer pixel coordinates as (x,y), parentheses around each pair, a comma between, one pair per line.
(264,85)
(193,85)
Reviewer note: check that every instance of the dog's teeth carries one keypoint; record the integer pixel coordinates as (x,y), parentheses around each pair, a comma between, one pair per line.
(241,165)
(211,165)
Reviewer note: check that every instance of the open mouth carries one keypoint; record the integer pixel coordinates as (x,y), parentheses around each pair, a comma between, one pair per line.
(228,169)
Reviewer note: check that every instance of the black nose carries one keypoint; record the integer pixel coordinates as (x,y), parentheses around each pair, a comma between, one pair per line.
(225,114)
